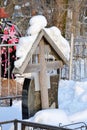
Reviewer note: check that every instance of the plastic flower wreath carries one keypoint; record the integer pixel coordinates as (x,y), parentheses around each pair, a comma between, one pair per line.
(8,35)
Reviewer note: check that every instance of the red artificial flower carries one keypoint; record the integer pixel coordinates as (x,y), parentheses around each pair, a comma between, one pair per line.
(10,41)
(6,32)
(12,28)
(10,50)
(14,47)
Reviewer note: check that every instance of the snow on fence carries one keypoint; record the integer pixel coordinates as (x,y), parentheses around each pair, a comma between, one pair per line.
(79,61)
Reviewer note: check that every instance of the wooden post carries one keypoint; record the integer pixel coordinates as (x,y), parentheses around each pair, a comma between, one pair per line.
(43,77)
(71,57)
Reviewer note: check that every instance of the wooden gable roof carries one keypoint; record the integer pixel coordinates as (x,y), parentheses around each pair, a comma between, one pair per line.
(42,34)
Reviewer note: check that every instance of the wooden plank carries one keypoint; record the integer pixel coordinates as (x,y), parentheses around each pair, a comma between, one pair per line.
(54,65)
(32,68)
(49,66)
(47,49)
(43,77)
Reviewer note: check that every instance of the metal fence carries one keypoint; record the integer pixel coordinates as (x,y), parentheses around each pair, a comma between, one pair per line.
(9,99)
(79,63)
(9,85)
(25,125)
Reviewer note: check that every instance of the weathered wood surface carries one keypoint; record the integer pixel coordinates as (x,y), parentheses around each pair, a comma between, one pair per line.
(49,65)
(43,77)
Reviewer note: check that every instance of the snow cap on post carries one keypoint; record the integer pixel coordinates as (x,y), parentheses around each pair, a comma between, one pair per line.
(36,23)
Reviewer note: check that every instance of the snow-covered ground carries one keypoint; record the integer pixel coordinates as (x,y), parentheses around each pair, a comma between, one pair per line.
(72,99)
(10,113)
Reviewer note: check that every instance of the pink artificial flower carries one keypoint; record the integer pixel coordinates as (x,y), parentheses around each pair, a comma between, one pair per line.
(12,34)
(13,40)
(6,30)
(3,50)
(4,37)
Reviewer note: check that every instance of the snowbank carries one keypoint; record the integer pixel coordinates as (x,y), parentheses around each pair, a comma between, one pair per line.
(53,117)
(72,96)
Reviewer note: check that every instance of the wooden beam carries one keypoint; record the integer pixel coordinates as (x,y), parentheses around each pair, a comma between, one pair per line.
(43,77)
(32,68)
(49,66)
(54,65)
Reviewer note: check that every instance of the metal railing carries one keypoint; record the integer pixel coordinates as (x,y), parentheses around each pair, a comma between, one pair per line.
(25,125)
(9,64)
(10,98)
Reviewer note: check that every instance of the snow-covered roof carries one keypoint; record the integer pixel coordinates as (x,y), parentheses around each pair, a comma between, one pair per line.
(36,31)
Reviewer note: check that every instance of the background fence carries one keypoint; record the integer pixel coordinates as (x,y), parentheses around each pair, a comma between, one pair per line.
(79,61)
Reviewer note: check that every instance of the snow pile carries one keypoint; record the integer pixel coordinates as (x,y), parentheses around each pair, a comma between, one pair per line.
(72,96)
(37,23)
(53,117)
(10,113)
(24,46)
(80,116)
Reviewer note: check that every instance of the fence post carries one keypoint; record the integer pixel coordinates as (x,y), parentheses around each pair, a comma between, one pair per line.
(71,57)
(23,127)
(11,102)
(15,125)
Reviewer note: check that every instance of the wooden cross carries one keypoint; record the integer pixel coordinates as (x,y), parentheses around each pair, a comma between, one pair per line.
(42,66)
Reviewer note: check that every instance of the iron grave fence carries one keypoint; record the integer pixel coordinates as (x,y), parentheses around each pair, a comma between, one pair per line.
(25,125)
